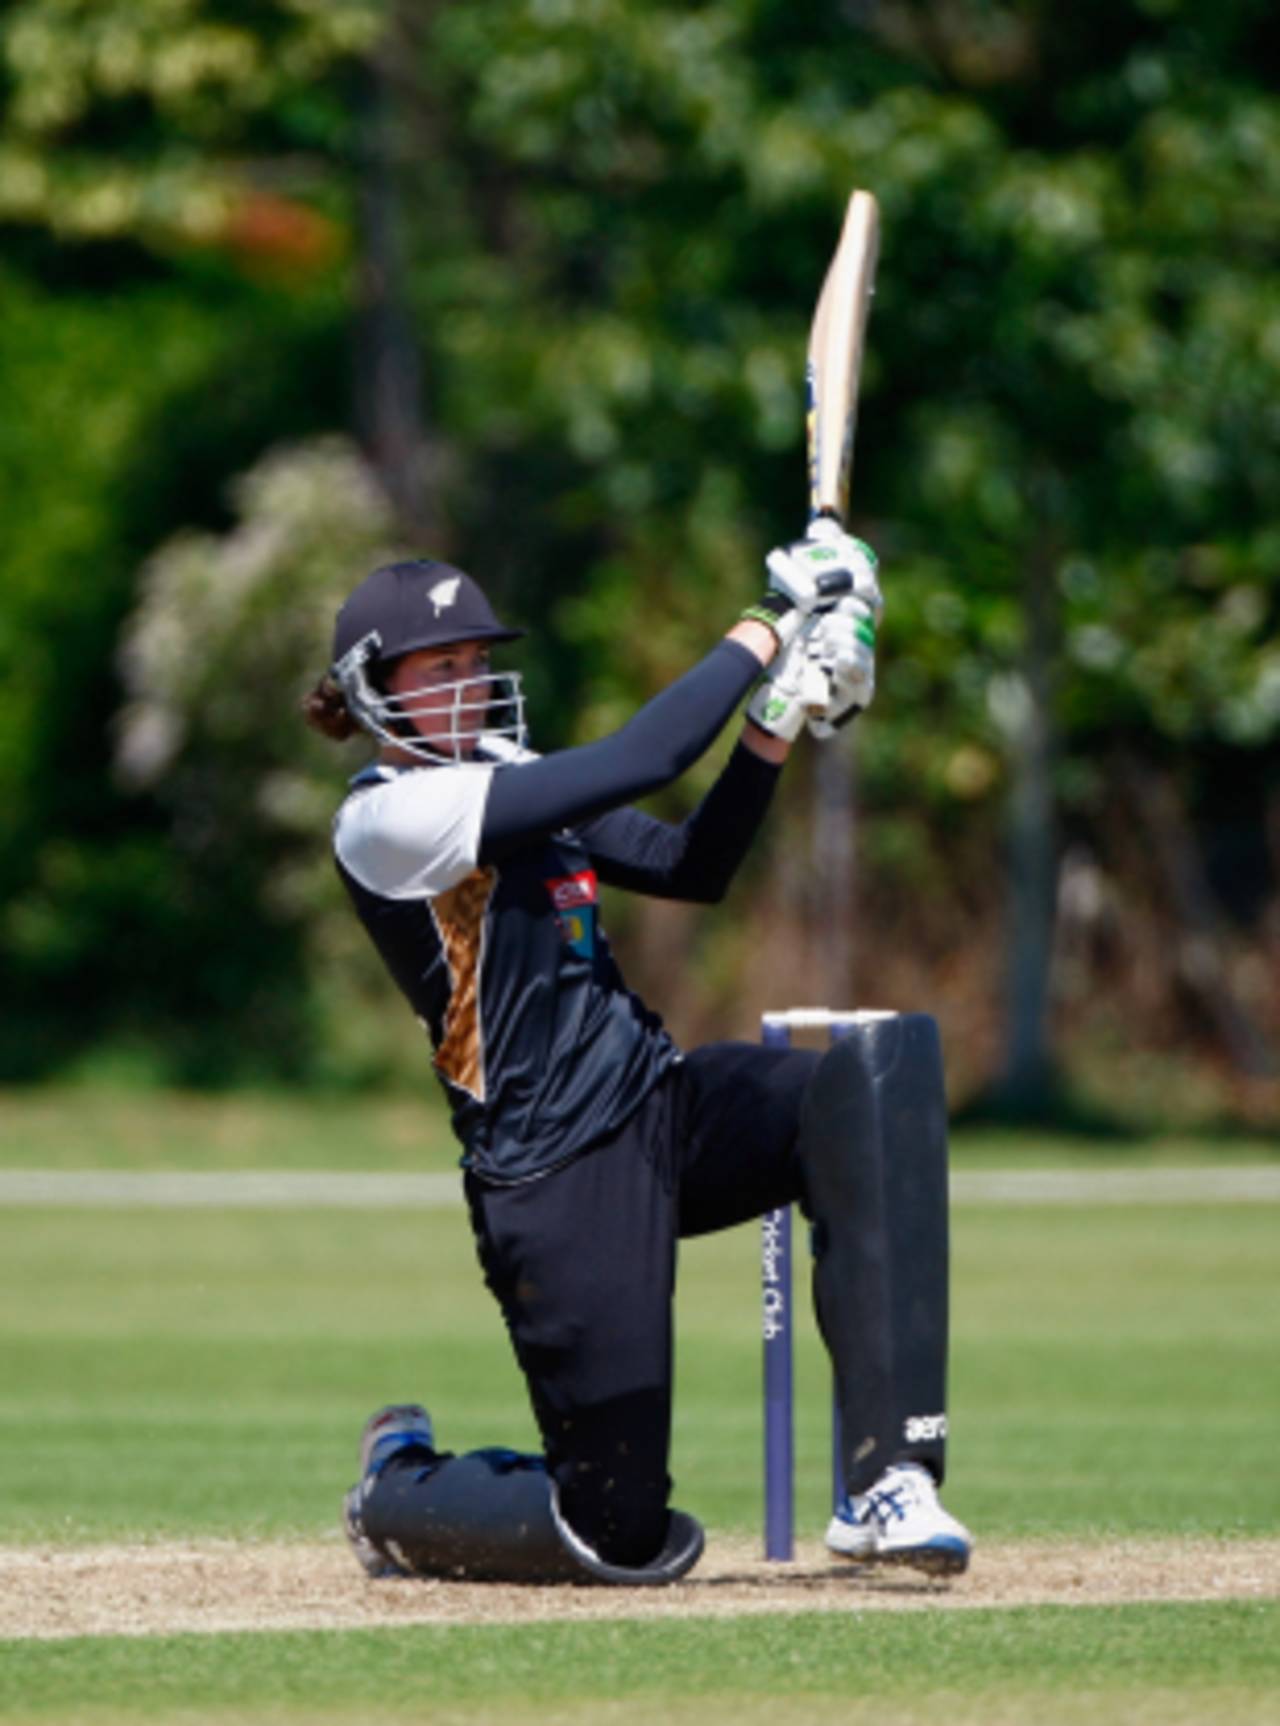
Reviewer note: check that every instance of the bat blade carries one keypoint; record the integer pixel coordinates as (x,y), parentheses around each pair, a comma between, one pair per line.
(834,368)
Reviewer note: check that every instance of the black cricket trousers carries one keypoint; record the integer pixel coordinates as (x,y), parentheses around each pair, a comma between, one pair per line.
(583,1260)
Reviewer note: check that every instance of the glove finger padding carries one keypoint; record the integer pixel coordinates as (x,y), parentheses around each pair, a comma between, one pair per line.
(844,639)
(845,647)
(841,710)
(847,697)
(795,686)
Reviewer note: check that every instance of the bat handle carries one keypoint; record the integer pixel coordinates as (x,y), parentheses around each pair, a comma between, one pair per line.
(825,524)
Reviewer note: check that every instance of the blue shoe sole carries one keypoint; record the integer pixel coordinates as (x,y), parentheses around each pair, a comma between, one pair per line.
(942,1557)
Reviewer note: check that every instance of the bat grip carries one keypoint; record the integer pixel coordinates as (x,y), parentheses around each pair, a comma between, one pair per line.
(825,524)
(834,582)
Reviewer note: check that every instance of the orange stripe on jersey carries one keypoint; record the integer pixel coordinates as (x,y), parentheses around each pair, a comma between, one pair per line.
(459,916)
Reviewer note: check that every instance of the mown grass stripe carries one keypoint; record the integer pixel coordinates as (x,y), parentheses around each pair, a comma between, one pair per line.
(1113,1654)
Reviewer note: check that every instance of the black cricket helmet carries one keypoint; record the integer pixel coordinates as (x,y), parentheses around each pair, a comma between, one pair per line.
(403,608)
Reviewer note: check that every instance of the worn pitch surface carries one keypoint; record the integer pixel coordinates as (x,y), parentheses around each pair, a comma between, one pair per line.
(225,1585)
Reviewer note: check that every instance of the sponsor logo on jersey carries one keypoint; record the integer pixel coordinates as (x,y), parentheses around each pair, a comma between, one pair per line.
(574,898)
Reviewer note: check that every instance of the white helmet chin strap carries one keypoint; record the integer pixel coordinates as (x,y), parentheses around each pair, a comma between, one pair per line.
(470,711)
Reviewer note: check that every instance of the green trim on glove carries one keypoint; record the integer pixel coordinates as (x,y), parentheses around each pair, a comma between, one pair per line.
(761,614)
(777,612)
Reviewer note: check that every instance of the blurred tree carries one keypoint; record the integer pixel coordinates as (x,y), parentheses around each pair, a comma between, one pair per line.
(1071,376)
(177,122)
(173,234)
(228,630)
(121,412)
(620,213)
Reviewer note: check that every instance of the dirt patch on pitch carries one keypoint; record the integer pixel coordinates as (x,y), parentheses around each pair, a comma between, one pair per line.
(228,1585)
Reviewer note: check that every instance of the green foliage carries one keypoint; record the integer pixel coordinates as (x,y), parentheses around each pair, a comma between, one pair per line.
(229,632)
(141,118)
(122,410)
(224,623)
(613,219)
(1073,358)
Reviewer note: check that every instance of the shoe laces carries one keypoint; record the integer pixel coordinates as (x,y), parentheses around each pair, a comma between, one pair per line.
(904,1489)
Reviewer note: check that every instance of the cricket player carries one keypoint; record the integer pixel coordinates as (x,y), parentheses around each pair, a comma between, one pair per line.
(591,1143)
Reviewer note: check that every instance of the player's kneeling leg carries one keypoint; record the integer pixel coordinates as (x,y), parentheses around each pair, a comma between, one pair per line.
(491,1516)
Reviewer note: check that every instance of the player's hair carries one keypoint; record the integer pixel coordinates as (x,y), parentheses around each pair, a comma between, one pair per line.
(325,710)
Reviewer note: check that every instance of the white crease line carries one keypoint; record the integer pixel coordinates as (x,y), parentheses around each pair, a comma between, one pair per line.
(252,1189)
(1229,1185)
(227,1189)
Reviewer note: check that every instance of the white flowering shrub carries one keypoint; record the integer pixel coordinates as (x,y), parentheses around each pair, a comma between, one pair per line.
(229,633)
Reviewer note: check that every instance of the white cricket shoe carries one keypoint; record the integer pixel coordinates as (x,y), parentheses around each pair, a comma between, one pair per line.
(899,1521)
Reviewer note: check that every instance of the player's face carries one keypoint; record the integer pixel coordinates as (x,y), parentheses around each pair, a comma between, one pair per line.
(447,691)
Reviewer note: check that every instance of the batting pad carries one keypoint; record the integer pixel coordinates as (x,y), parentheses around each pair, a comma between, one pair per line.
(489,1516)
(873,1149)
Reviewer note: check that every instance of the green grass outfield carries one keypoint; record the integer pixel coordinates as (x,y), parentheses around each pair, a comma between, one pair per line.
(108,1126)
(1212,1665)
(190,1373)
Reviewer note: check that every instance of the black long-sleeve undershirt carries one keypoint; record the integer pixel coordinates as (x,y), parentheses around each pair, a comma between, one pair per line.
(656,746)
(696,859)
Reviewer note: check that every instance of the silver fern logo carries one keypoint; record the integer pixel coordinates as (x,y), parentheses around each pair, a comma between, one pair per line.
(443,594)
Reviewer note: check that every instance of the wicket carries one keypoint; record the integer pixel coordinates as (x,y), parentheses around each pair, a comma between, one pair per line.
(776,1303)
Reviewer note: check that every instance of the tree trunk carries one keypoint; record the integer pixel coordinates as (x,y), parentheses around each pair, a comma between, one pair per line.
(1202,936)
(1028,1074)
(832,873)
(388,385)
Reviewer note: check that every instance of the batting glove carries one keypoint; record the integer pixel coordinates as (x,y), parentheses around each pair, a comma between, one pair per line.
(811,574)
(796,687)
(844,647)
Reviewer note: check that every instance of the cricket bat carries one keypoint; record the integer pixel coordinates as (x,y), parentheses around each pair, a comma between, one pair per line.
(832,373)
(834,367)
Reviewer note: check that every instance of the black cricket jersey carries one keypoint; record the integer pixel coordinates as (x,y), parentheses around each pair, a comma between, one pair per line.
(479,881)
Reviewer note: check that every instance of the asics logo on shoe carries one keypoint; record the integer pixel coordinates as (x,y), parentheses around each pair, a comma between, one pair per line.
(899,1521)
(887,1503)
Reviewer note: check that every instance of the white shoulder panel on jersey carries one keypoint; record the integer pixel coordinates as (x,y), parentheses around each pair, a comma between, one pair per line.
(504,751)
(415,834)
